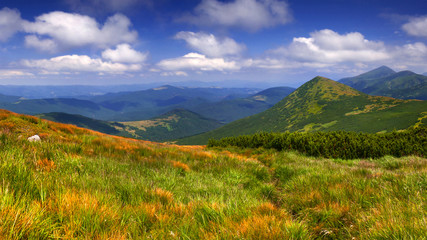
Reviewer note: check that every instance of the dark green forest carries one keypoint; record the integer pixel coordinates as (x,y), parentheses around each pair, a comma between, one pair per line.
(336,144)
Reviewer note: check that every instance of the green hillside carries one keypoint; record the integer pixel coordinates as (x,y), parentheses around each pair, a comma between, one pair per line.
(174,124)
(323,105)
(84,122)
(385,82)
(80,184)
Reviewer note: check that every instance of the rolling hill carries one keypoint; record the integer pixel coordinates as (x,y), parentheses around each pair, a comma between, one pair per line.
(146,104)
(8,99)
(126,106)
(322,105)
(175,124)
(84,122)
(222,104)
(66,105)
(385,82)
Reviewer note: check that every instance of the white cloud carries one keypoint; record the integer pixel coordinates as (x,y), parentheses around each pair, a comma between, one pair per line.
(412,55)
(10,23)
(46,45)
(79,63)
(195,61)
(416,51)
(249,14)
(14,73)
(209,45)
(416,27)
(124,54)
(75,30)
(327,46)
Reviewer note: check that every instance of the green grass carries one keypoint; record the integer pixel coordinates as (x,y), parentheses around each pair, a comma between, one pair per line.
(79,184)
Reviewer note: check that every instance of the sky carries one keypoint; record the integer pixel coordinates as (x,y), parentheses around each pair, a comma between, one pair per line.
(231,43)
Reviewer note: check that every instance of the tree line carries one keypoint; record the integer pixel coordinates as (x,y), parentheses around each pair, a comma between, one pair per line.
(336,144)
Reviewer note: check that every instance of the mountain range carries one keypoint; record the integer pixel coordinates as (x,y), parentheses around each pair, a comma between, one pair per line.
(221,104)
(168,112)
(324,105)
(172,125)
(384,81)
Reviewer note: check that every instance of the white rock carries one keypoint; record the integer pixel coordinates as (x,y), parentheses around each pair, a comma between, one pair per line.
(34,138)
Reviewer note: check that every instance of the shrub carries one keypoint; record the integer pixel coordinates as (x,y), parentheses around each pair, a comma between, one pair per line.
(337,144)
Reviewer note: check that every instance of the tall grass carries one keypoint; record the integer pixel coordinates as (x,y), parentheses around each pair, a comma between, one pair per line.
(79,184)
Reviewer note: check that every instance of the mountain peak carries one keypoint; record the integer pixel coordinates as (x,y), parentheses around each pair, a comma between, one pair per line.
(382,71)
(324,88)
(376,73)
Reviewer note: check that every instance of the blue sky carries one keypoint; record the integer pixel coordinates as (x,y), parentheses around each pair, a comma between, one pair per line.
(235,42)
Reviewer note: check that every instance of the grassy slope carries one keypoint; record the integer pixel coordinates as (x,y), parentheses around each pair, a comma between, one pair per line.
(82,121)
(322,105)
(175,124)
(79,184)
(172,125)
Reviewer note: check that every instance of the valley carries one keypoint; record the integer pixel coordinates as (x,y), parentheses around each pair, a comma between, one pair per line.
(192,115)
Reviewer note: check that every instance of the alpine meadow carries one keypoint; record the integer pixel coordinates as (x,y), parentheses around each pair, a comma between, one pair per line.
(213,119)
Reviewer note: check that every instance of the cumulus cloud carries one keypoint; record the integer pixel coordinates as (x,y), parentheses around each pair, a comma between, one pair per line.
(75,30)
(124,54)
(10,23)
(196,61)
(327,46)
(410,55)
(249,14)
(416,27)
(210,45)
(46,45)
(79,63)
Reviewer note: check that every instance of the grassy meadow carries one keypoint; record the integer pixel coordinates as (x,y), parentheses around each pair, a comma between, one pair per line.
(80,184)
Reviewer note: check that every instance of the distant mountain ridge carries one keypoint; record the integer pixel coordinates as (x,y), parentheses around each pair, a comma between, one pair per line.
(383,81)
(227,111)
(177,123)
(322,105)
(174,124)
(222,104)
(8,99)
